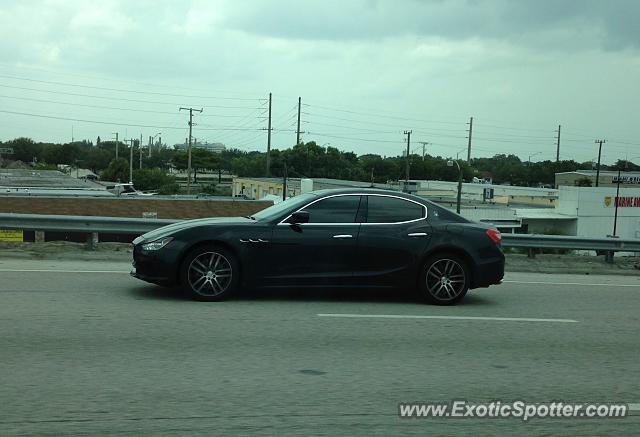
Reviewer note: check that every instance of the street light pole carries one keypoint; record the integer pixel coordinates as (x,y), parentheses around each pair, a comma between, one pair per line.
(537,153)
(615,214)
(459,196)
(599,155)
(152,140)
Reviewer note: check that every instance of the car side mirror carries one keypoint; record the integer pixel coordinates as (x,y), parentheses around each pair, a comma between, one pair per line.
(299,217)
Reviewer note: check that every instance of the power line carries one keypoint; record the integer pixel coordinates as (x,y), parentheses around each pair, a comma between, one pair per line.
(351,138)
(126,91)
(118,98)
(372,114)
(80,120)
(111,79)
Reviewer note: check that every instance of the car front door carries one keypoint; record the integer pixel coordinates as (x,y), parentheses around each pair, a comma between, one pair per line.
(392,239)
(320,253)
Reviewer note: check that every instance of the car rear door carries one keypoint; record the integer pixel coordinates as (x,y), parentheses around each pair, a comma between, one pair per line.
(321,253)
(392,239)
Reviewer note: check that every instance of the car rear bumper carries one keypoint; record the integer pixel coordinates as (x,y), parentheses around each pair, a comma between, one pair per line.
(488,272)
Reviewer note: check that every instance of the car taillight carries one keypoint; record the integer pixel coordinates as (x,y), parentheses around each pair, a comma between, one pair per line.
(494,235)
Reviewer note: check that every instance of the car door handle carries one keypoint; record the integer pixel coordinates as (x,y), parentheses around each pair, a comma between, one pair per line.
(343,236)
(417,234)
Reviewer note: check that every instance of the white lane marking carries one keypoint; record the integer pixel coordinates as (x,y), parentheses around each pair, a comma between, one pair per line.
(409,316)
(571,283)
(62,271)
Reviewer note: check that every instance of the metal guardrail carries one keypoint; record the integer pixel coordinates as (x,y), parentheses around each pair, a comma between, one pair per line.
(119,225)
(535,241)
(88,224)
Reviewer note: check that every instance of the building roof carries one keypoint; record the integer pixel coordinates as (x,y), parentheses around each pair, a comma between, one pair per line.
(602,173)
(541,213)
(45,179)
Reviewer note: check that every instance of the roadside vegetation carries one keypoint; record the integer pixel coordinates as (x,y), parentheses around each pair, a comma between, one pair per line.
(303,160)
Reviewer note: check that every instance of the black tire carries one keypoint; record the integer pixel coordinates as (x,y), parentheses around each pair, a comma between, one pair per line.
(210,273)
(444,279)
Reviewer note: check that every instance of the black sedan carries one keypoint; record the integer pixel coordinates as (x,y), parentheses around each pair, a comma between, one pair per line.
(365,238)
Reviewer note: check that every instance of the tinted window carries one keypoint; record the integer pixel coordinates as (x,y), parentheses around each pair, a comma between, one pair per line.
(392,210)
(340,209)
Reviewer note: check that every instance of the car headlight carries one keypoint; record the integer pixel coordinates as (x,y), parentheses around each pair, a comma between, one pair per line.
(157,244)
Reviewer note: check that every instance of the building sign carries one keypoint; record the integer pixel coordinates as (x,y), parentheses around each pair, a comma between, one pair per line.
(626,179)
(150,214)
(11,235)
(622,202)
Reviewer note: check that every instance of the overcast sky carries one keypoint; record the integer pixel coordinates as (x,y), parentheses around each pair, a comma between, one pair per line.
(366,71)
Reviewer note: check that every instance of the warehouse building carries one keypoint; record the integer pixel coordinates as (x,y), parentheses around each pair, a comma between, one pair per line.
(588,178)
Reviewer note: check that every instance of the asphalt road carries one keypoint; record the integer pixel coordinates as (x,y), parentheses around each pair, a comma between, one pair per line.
(86,349)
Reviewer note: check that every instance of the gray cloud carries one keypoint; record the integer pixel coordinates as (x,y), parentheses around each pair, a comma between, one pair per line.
(509,63)
(612,23)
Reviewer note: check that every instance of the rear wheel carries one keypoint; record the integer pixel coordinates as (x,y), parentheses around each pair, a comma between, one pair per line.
(444,279)
(210,273)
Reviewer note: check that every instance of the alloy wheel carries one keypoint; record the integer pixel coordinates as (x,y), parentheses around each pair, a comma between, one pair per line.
(445,279)
(210,274)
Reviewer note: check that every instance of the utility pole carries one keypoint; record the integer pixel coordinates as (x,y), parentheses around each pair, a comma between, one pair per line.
(150,141)
(298,130)
(269,139)
(130,160)
(600,142)
(140,150)
(558,144)
(615,216)
(408,134)
(424,144)
(116,134)
(189,145)
(469,144)
(284,182)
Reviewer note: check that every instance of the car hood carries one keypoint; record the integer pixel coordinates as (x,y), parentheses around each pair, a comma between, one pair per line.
(187,224)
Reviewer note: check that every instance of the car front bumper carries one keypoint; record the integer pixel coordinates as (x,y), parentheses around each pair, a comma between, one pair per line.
(158,267)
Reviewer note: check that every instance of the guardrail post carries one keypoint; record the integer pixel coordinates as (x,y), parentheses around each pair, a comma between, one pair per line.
(92,240)
(608,256)
(39,237)
(531,252)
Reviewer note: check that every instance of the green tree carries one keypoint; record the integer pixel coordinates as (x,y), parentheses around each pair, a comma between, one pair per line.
(155,180)
(583,182)
(201,159)
(24,149)
(117,171)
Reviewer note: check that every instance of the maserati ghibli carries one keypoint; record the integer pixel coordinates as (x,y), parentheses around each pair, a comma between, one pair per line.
(348,238)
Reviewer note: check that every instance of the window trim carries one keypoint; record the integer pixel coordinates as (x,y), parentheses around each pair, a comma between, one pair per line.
(282,222)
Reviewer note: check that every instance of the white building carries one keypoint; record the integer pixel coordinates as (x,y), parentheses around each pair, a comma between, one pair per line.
(582,211)
(211,147)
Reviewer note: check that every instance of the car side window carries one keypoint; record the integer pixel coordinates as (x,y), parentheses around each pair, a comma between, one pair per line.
(338,209)
(384,209)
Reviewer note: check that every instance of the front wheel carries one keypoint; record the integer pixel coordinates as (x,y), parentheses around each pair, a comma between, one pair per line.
(444,279)
(210,273)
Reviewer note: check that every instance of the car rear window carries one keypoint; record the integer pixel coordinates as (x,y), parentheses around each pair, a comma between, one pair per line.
(385,209)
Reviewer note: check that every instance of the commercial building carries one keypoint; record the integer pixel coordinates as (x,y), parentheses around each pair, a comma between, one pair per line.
(258,188)
(27,182)
(582,211)
(607,178)
(481,192)
(211,147)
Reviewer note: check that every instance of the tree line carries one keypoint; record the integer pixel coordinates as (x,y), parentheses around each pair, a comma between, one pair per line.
(303,160)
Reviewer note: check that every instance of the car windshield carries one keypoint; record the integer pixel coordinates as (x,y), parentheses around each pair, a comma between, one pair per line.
(280,208)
